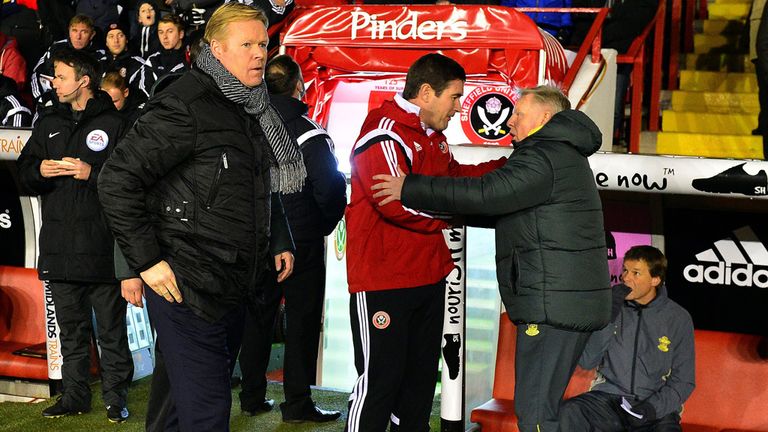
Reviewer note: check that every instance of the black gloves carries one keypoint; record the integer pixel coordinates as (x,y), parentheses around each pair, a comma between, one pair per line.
(619,292)
(643,408)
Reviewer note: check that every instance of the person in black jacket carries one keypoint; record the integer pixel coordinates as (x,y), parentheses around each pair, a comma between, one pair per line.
(119,59)
(144,40)
(312,214)
(550,242)
(61,163)
(192,194)
(644,358)
(170,58)
(81,34)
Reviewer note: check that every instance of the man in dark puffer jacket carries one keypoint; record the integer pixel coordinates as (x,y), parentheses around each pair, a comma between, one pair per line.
(192,195)
(61,163)
(550,243)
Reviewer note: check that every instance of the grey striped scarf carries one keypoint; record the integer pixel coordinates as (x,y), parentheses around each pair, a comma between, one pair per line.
(287,166)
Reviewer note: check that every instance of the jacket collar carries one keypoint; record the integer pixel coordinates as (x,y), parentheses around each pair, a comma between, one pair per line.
(289,107)
(658,301)
(413,109)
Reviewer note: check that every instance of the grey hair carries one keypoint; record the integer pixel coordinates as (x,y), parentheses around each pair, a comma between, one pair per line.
(549,96)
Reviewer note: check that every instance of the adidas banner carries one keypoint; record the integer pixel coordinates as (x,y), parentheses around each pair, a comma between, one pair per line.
(718,268)
(680,175)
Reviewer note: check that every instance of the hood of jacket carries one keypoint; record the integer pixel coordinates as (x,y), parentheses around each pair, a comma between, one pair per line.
(570,127)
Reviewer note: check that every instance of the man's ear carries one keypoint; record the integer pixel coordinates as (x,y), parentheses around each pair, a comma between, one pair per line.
(126,92)
(426,92)
(299,89)
(216,48)
(86,80)
(655,281)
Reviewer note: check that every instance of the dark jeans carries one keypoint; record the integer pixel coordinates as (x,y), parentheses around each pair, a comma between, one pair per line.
(599,411)
(74,303)
(198,357)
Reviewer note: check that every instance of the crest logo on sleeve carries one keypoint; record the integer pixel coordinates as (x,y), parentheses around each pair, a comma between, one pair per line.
(97,140)
(484,115)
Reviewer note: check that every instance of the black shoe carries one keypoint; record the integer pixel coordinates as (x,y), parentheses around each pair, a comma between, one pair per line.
(265,406)
(734,180)
(314,414)
(117,414)
(59,410)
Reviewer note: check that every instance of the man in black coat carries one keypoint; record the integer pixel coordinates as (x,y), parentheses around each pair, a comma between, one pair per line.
(192,196)
(81,34)
(312,214)
(550,242)
(61,163)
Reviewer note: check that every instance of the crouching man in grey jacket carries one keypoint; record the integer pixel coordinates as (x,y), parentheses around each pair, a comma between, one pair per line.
(644,358)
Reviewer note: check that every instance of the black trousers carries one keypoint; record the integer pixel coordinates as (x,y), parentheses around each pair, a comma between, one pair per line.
(198,357)
(599,411)
(396,336)
(304,293)
(545,358)
(74,303)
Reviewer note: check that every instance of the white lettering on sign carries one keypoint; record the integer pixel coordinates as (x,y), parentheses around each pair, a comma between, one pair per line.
(409,28)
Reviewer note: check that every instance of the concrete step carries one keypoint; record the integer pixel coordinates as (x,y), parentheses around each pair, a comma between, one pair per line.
(721,44)
(716,62)
(716,146)
(708,123)
(715,102)
(718,81)
(719,26)
(728,10)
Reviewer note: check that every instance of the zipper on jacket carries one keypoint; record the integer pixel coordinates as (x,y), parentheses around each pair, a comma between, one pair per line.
(223,165)
(634,353)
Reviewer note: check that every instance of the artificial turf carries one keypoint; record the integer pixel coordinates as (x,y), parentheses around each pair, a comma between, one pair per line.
(26,417)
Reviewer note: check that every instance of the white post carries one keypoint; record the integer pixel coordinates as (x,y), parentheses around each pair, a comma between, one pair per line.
(453,342)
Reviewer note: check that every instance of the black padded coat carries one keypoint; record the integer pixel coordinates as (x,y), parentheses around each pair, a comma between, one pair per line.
(190,184)
(75,242)
(550,243)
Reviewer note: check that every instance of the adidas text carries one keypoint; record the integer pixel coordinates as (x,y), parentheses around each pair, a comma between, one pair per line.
(745,275)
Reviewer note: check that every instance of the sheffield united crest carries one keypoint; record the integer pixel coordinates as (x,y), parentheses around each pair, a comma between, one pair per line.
(484,115)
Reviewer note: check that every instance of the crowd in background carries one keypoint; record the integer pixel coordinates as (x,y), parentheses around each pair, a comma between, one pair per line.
(136,43)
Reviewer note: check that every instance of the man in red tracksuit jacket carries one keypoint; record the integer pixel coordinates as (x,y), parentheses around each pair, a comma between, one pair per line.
(397,259)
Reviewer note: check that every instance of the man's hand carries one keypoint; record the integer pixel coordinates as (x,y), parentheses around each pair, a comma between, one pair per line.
(645,410)
(390,187)
(51,168)
(161,279)
(284,265)
(132,290)
(79,169)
